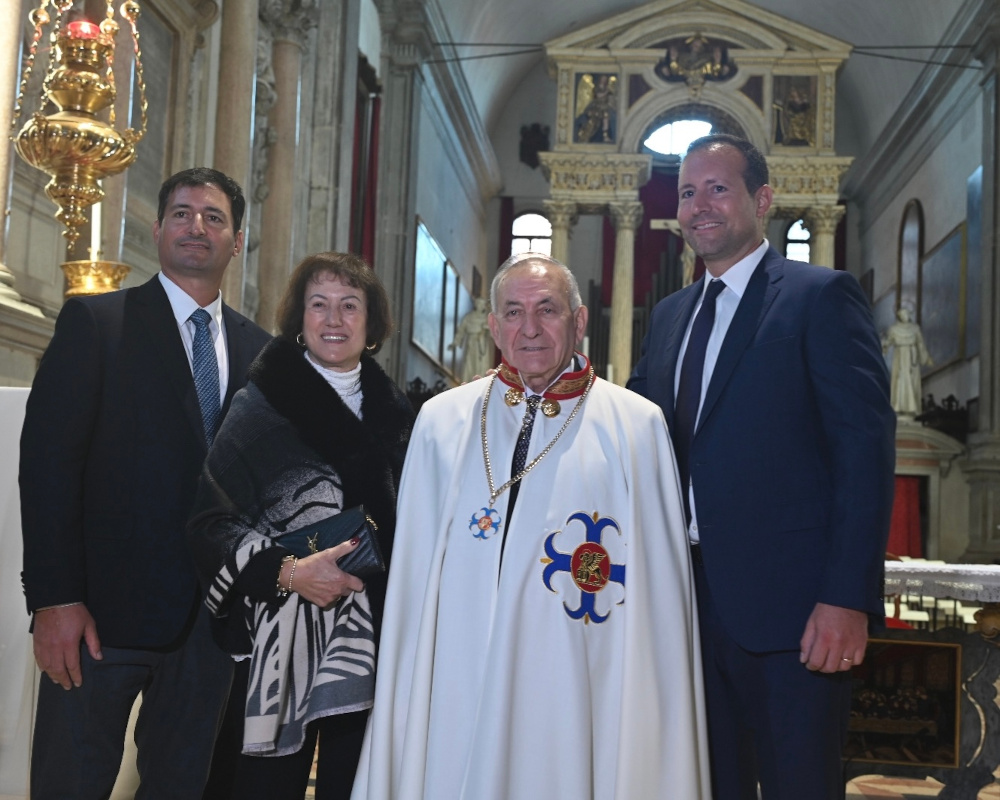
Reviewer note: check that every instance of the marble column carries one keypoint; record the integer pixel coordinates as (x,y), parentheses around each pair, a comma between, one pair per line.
(822,224)
(10,44)
(234,116)
(982,467)
(562,214)
(626,218)
(396,186)
(290,26)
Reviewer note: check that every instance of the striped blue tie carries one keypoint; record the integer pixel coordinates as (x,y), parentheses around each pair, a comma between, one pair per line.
(205,367)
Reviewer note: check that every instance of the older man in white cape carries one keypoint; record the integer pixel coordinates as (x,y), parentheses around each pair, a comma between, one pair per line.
(540,638)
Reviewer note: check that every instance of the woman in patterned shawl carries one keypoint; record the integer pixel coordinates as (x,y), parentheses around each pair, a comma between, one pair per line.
(318,429)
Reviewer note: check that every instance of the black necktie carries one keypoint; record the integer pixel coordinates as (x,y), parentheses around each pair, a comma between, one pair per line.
(689,386)
(205,368)
(521,454)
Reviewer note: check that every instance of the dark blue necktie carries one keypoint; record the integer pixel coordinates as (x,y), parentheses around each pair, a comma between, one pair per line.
(524,437)
(205,368)
(689,386)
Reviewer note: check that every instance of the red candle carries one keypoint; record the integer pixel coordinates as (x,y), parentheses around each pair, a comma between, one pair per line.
(83,29)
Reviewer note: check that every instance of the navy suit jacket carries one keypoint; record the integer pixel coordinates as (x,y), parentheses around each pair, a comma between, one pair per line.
(793,459)
(111,450)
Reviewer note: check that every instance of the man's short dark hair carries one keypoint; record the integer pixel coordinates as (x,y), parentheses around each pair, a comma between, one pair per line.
(755,172)
(203,176)
(348,268)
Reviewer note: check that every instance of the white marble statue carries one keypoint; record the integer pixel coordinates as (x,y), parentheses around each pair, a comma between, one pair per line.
(473,336)
(909,354)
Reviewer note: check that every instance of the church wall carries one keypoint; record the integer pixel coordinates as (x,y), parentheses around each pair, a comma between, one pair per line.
(940,186)
(939,183)
(448,203)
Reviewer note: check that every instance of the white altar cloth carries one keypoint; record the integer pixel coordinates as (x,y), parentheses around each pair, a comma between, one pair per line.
(979,583)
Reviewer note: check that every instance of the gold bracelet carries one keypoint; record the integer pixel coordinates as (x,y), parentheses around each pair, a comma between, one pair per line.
(291,573)
(282,591)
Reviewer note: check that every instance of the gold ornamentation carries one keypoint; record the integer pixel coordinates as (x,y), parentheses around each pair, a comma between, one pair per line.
(496,492)
(85,278)
(73,145)
(513,396)
(550,408)
(313,542)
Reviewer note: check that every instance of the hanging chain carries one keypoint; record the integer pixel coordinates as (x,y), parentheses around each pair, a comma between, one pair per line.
(495,493)
(130,10)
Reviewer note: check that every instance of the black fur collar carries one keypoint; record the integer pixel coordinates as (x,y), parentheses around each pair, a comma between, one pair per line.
(368,453)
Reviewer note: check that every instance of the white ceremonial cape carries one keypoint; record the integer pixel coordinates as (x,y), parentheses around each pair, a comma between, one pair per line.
(487,687)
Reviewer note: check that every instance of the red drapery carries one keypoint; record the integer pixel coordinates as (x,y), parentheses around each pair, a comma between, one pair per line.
(904,532)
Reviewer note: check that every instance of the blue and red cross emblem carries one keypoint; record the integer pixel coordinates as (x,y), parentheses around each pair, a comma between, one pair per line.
(589,565)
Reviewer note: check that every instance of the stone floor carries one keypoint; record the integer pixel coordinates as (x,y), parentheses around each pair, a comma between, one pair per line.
(880,787)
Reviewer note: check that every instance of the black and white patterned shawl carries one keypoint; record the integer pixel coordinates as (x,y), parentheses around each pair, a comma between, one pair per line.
(290,453)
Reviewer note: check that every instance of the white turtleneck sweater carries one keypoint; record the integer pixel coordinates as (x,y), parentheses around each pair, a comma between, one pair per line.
(346,384)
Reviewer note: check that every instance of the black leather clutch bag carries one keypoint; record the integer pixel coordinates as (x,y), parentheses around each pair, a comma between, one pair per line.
(363,561)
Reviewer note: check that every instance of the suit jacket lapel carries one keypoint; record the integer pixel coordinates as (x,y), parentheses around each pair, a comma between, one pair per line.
(672,349)
(160,326)
(239,351)
(760,293)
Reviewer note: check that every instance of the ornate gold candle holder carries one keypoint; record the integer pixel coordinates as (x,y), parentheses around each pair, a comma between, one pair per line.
(87,277)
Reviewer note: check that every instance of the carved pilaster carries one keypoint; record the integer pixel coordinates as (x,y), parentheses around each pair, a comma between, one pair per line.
(822,223)
(290,20)
(563,216)
(267,95)
(626,217)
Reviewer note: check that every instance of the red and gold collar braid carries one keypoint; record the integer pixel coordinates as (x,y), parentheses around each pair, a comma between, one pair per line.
(570,384)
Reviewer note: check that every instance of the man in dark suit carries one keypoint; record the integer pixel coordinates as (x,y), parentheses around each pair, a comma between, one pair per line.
(127,399)
(771,378)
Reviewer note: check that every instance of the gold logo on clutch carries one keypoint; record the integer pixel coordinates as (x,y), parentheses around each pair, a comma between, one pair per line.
(313,542)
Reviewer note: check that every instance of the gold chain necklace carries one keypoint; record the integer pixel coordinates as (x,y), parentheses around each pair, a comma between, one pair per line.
(495,493)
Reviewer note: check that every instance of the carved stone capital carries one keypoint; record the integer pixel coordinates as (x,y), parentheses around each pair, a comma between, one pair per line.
(823,219)
(561,213)
(626,216)
(595,178)
(290,20)
(806,181)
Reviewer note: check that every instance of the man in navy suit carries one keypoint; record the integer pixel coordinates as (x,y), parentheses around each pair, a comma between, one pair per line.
(113,441)
(777,400)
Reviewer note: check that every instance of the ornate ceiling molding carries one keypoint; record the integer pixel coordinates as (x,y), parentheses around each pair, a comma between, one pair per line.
(595,179)
(806,181)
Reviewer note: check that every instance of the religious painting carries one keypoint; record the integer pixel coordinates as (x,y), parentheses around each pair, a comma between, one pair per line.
(794,106)
(595,117)
(905,704)
(942,300)
(429,270)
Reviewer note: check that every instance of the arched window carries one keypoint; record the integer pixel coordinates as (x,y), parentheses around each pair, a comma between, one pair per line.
(674,137)
(531,232)
(911,250)
(797,242)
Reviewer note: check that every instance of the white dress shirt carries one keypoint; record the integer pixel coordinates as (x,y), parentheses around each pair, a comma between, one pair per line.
(183,306)
(736,279)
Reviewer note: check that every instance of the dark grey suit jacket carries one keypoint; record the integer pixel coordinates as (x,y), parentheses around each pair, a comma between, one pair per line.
(111,449)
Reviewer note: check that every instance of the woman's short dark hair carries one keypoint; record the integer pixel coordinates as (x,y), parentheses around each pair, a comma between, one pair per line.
(350,269)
